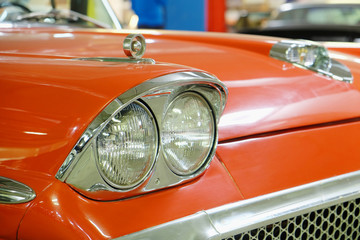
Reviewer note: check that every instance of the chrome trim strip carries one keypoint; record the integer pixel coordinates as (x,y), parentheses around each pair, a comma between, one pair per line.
(12,191)
(234,218)
(89,133)
(118,60)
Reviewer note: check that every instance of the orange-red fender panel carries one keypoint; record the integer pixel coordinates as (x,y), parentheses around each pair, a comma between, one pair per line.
(60,211)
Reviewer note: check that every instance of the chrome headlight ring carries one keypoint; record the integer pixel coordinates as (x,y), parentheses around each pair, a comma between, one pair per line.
(122,153)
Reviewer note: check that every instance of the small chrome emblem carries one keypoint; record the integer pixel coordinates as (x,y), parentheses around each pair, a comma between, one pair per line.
(134,46)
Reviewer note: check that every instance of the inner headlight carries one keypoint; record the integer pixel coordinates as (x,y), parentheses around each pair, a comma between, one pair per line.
(127,147)
(187,134)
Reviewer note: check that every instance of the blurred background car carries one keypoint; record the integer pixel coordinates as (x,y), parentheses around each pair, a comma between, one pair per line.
(313,21)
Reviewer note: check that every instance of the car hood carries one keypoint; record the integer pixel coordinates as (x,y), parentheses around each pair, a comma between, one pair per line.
(46,104)
(48,98)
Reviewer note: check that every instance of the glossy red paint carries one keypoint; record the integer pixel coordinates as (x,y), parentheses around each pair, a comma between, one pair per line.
(10,218)
(44,109)
(272,134)
(271,104)
(272,162)
(49,103)
(61,213)
(260,100)
(12,214)
(353,49)
(94,43)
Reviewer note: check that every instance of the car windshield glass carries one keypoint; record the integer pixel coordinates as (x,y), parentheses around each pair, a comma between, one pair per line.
(85,13)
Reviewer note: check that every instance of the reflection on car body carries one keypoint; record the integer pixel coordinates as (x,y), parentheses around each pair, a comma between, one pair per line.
(119,134)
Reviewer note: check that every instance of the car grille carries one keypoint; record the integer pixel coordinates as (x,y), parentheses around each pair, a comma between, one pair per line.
(340,221)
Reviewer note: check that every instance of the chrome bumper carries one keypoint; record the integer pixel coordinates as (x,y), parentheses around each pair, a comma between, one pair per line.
(231,219)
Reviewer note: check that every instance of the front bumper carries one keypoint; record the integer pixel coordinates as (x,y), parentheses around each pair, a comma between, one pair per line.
(260,215)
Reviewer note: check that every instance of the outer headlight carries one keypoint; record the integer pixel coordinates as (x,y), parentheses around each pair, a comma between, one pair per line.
(187,135)
(158,134)
(127,147)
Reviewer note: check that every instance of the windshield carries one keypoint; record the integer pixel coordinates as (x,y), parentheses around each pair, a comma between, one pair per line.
(73,13)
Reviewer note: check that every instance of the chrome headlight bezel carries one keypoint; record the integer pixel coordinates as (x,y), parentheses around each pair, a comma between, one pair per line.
(80,170)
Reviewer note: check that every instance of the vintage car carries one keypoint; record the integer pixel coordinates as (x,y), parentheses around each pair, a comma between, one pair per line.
(337,21)
(196,136)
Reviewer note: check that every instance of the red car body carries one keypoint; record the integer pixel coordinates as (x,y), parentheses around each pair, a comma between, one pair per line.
(282,127)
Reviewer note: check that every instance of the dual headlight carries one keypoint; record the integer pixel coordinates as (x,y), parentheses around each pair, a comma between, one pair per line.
(151,137)
(127,146)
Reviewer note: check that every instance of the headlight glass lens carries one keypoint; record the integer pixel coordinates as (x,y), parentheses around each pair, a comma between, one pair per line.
(188,133)
(127,147)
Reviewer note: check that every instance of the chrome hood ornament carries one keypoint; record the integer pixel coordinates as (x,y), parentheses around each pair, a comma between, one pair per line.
(134,46)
